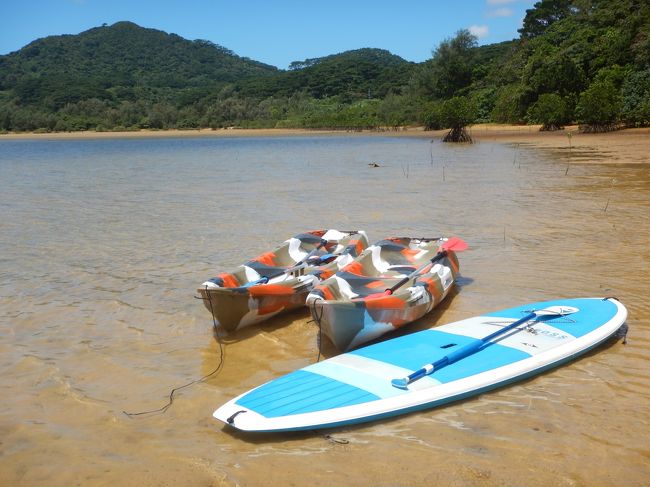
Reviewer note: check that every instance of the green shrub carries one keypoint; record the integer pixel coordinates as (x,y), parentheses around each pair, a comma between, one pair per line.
(431,116)
(636,99)
(599,107)
(457,112)
(507,106)
(550,110)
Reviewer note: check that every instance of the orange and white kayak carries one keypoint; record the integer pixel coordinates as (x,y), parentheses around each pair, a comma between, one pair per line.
(279,280)
(392,283)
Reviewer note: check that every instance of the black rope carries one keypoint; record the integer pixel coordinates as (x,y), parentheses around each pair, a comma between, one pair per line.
(317,318)
(215,371)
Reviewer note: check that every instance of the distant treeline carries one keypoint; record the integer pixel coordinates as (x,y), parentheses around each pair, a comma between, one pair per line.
(583,61)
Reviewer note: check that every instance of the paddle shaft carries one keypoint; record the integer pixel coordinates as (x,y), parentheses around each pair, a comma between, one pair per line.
(439,256)
(301,264)
(459,354)
(296,266)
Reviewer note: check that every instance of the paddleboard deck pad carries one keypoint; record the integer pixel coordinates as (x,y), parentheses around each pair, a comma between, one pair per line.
(356,387)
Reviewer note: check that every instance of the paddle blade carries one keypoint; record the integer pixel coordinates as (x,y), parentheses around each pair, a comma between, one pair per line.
(263,280)
(400,383)
(455,244)
(321,259)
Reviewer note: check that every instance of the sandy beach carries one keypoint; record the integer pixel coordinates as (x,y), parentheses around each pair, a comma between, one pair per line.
(626,146)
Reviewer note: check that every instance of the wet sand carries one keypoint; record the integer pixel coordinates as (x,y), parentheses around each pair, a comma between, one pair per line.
(622,146)
(103,242)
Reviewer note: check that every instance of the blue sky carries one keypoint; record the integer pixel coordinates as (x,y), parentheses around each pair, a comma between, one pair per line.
(276,32)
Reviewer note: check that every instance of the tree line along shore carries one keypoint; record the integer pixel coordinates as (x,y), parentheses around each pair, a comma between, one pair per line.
(575,62)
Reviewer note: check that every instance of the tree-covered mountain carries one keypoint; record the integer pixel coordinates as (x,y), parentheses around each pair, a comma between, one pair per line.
(120,62)
(585,61)
(362,73)
(125,76)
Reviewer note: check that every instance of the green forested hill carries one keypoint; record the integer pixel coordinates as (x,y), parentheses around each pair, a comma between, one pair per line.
(585,61)
(123,61)
(362,73)
(125,76)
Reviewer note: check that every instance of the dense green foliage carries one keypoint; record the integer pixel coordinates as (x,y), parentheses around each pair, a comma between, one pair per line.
(450,68)
(570,45)
(585,61)
(456,114)
(550,110)
(123,61)
(599,106)
(636,98)
(352,75)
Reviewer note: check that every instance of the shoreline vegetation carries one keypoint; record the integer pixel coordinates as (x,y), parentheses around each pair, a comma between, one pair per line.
(630,145)
(574,62)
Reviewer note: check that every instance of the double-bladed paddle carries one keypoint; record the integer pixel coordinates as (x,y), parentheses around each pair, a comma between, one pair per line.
(296,266)
(477,345)
(454,244)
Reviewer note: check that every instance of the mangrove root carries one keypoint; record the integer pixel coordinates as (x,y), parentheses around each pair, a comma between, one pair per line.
(457,134)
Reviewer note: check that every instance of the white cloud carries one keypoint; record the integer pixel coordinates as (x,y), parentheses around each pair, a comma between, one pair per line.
(500,12)
(479,31)
(498,8)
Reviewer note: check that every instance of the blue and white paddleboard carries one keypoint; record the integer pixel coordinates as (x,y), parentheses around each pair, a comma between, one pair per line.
(428,368)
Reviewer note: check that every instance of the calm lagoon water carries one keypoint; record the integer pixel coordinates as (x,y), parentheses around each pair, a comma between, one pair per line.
(103,242)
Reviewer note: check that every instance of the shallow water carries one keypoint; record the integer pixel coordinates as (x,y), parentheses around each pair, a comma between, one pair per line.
(103,242)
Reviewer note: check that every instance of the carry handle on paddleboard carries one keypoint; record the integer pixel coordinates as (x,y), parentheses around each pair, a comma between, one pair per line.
(475,346)
(454,243)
